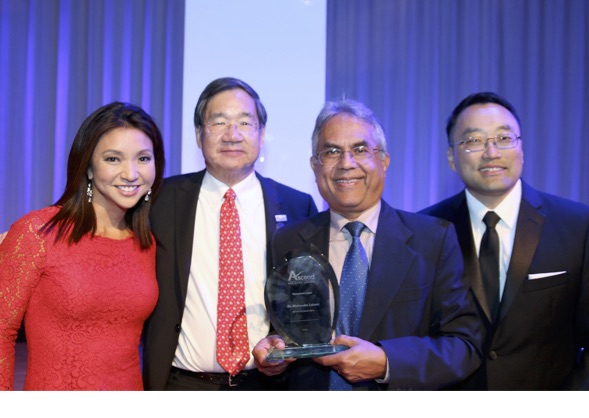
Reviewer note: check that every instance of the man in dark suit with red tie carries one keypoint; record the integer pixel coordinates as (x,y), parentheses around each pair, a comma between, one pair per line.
(183,344)
(537,314)
(416,327)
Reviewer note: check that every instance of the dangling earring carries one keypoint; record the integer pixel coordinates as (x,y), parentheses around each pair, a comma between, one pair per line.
(147,195)
(89,192)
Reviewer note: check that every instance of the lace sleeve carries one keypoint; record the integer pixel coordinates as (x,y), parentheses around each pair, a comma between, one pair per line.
(22,256)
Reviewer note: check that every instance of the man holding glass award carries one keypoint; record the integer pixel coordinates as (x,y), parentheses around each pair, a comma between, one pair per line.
(387,284)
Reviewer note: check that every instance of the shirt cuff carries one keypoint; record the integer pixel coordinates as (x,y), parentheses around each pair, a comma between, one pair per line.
(387,376)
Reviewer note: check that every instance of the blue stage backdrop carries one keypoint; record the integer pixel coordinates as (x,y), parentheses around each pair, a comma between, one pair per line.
(411,61)
(62,59)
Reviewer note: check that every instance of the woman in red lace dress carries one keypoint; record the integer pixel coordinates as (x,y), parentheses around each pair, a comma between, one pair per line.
(82,272)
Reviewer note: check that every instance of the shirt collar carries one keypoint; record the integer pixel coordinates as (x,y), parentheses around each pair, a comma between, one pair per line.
(369,218)
(219,188)
(507,210)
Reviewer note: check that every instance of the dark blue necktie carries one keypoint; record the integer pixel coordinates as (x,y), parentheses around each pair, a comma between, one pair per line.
(352,293)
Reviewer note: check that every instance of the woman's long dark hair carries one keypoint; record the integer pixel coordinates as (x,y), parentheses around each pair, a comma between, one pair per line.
(76,217)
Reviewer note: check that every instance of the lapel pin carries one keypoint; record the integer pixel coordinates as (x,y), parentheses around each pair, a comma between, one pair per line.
(280,218)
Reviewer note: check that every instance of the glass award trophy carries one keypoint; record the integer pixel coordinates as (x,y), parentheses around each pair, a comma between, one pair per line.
(302,300)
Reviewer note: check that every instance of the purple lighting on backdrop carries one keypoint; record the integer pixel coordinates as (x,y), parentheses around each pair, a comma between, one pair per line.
(126,57)
(62,59)
(29,120)
(109,63)
(413,61)
(147,57)
(61,106)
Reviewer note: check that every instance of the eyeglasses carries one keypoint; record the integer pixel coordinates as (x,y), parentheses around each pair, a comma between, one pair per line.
(331,156)
(242,126)
(503,140)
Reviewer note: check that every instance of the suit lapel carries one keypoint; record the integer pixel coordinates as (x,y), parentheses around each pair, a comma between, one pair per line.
(461,220)
(391,260)
(272,207)
(527,235)
(185,207)
(316,232)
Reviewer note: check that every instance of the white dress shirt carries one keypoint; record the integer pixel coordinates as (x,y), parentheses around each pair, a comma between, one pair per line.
(196,344)
(508,211)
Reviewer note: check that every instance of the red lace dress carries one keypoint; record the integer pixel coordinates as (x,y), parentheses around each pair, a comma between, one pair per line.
(84,306)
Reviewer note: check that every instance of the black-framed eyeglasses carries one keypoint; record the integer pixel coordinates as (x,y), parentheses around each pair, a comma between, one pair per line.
(243,126)
(476,143)
(332,156)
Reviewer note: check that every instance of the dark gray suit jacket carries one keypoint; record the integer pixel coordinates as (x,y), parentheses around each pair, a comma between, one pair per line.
(416,306)
(538,340)
(172,218)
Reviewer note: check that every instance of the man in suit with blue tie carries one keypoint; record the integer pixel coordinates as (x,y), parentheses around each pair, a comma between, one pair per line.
(534,297)
(416,325)
(183,342)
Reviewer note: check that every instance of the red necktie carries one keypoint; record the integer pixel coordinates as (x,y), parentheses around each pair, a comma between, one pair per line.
(232,340)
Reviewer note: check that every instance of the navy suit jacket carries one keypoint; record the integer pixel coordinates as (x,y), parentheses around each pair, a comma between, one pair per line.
(172,220)
(416,306)
(537,342)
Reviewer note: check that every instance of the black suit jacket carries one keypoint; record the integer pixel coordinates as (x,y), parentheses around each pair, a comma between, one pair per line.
(172,220)
(537,342)
(416,306)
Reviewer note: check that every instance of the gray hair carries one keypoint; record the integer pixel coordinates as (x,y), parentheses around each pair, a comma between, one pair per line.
(352,108)
(220,85)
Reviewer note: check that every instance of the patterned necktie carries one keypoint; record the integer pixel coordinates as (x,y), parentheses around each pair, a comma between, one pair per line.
(489,261)
(232,338)
(353,283)
(352,293)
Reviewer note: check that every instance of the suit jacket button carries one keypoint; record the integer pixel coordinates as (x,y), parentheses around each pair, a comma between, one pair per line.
(493,355)
(177,328)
